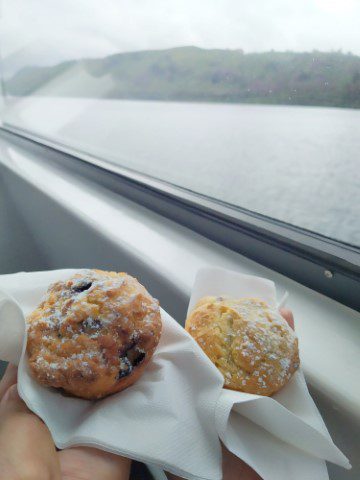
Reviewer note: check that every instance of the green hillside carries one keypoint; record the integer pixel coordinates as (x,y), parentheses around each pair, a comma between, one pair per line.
(194,74)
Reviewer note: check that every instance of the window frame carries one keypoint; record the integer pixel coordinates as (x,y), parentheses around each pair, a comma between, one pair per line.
(325,265)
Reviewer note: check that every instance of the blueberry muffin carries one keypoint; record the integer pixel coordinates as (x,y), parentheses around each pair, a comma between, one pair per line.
(93,334)
(250,343)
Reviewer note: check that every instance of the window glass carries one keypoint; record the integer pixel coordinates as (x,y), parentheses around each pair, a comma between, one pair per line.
(253,103)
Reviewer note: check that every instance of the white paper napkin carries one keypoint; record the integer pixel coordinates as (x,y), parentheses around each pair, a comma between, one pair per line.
(283,436)
(166,418)
(174,415)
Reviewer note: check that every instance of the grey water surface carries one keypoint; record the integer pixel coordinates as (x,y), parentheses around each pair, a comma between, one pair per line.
(297,164)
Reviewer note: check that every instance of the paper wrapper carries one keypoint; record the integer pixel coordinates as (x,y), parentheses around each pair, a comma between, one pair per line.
(283,436)
(175,413)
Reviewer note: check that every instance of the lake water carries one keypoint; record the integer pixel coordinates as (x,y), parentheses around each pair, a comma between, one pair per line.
(297,164)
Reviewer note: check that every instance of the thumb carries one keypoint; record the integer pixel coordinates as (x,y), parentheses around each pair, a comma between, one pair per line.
(11,402)
(8,379)
(26,447)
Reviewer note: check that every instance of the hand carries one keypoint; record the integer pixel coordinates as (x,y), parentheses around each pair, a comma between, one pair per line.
(27,451)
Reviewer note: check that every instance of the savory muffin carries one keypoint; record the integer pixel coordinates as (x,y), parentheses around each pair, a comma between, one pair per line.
(93,334)
(250,343)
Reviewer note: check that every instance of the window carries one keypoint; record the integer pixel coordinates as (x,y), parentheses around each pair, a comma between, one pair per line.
(256,106)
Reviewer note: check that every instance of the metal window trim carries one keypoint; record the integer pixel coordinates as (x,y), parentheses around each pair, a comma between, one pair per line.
(325,265)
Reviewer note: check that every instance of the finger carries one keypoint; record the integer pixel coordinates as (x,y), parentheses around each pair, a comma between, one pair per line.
(26,447)
(92,464)
(11,402)
(171,476)
(9,378)
(289,317)
(233,468)
(236,469)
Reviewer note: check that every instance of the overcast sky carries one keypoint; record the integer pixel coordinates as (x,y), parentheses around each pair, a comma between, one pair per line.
(46,32)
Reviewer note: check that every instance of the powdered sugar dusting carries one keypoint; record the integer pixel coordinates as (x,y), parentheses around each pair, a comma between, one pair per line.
(82,326)
(255,347)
